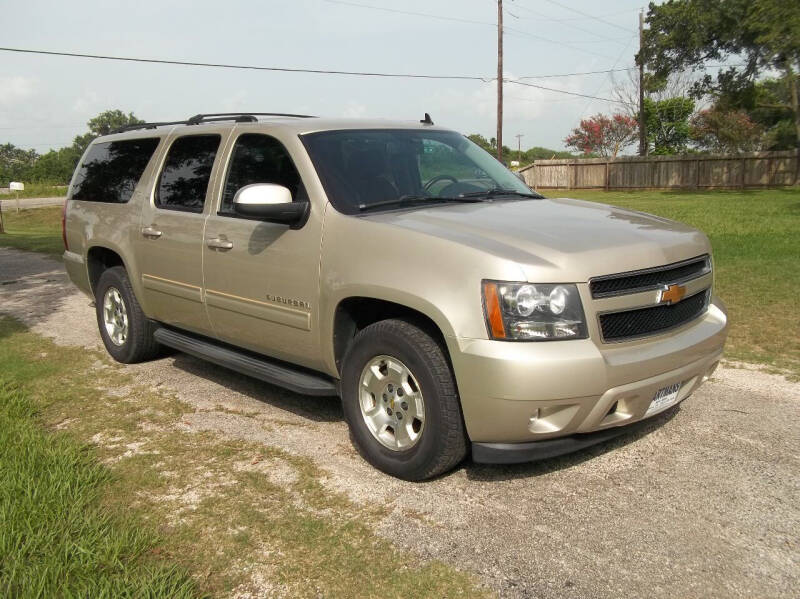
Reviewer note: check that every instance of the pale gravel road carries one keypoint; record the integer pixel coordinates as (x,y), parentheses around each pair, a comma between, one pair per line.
(703,503)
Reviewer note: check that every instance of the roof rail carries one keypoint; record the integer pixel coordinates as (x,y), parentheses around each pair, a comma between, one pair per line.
(144,126)
(238,117)
(224,116)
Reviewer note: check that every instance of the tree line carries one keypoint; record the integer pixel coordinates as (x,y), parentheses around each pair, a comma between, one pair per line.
(751,104)
(56,166)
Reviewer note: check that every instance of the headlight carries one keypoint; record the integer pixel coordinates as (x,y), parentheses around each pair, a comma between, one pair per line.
(533,312)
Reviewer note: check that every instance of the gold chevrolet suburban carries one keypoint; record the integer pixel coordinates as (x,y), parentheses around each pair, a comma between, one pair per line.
(399,266)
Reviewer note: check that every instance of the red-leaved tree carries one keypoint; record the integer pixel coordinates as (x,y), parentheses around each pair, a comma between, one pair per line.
(725,131)
(604,135)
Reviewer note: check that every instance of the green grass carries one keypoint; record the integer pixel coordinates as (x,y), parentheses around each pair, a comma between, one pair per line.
(756,240)
(56,539)
(37,230)
(219,513)
(37,190)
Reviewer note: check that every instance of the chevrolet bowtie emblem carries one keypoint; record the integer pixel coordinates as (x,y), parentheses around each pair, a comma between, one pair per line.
(671,294)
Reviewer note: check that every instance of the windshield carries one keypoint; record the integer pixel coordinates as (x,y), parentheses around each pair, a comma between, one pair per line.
(381,168)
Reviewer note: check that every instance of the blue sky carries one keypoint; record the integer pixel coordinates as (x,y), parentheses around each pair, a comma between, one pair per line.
(46,101)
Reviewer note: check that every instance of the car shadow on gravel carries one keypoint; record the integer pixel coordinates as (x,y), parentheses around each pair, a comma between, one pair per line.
(314,408)
(500,472)
(329,409)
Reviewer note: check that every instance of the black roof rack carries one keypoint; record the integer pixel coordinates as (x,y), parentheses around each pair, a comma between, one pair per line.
(238,117)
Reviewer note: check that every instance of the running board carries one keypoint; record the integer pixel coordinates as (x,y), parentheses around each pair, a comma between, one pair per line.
(277,373)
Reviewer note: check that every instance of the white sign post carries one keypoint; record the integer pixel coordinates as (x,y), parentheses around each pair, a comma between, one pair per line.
(16,187)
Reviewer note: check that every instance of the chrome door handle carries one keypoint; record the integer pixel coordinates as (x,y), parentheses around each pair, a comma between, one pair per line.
(151,232)
(219,244)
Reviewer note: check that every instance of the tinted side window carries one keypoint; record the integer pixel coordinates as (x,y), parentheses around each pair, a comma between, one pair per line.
(259,158)
(187,170)
(112,170)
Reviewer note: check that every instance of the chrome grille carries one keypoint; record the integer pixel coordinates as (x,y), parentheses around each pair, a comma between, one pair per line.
(651,278)
(619,326)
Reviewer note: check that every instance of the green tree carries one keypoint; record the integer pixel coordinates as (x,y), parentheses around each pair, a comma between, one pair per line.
(103,124)
(480,140)
(15,164)
(56,166)
(540,153)
(528,156)
(668,124)
(768,104)
(760,35)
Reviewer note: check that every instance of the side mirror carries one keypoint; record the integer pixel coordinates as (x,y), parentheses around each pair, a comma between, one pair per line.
(272,203)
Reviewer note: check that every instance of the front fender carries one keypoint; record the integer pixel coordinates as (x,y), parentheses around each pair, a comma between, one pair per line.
(374,292)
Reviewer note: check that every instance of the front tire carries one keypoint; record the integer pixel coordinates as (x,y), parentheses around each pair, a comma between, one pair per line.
(400,401)
(126,332)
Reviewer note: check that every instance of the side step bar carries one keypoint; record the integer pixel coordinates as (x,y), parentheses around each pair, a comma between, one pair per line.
(277,373)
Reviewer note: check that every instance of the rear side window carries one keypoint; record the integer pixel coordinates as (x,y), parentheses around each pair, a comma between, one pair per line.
(258,158)
(112,170)
(187,170)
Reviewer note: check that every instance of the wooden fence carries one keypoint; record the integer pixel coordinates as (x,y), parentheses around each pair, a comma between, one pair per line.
(756,169)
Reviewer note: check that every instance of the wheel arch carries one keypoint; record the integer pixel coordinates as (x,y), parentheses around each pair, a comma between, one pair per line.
(354,313)
(100,258)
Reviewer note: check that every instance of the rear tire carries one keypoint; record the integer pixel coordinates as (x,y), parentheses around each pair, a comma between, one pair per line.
(126,332)
(400,401)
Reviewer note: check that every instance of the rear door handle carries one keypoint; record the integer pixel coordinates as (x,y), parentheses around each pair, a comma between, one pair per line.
(151,232)
(218,243)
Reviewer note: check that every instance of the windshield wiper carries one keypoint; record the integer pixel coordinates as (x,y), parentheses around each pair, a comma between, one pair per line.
(410,200)
(495,192)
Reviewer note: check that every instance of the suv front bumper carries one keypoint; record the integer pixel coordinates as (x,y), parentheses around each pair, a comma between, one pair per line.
(526,393)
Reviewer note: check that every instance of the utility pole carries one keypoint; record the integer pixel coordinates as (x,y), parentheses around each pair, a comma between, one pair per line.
(519,137)
(500,80)
(642,124)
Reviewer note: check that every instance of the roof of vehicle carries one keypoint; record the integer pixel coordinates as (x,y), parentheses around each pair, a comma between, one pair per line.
(293,124)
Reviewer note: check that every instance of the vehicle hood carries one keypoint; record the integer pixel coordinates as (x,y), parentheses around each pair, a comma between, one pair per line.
(557,240)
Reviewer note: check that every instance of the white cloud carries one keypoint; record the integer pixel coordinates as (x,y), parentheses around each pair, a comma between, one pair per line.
(16,88)
(235,101)
(354,110)
(87,102)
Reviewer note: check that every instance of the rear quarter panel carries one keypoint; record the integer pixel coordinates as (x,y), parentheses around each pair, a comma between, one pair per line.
(108,225)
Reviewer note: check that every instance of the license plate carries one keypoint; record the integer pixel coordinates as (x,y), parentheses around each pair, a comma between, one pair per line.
(664,398)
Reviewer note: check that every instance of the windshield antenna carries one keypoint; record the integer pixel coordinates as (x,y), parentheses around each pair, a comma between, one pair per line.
(427,120)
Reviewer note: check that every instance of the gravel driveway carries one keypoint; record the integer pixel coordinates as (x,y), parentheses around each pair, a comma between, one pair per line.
(703,502)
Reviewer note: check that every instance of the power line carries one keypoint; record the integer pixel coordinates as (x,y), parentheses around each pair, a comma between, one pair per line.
(588,16)
(569,45)
(619,70)
(583,18)
(246,67)
(48,127)
(538,101)
(513,30)
(517,81)
(279,69)
(49,145)
(561,91)
(409,12)
(610,71)
(540,17)
(604,71)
